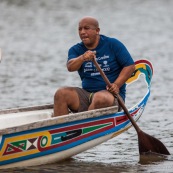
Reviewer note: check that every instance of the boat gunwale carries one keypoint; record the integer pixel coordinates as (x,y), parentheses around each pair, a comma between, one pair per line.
(26,109)
(59,120)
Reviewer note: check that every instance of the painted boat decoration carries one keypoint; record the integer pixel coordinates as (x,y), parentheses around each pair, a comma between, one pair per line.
(30,136)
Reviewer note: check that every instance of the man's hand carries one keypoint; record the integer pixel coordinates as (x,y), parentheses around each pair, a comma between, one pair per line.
(114,89)
(89,55)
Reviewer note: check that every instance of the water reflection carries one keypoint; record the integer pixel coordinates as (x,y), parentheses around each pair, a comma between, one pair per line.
(76,166)
(150,157)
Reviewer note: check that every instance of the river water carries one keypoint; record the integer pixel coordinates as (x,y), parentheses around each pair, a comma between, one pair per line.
(35,37)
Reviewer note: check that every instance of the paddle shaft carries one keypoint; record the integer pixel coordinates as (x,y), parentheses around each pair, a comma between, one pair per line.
(117,95)
(146,142)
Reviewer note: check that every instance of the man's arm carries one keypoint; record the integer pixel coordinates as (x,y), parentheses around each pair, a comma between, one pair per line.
(122,78)
(124,75)
(75,63)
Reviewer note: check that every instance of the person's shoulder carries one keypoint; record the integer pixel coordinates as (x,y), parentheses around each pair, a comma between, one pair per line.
(112,40)
(115,40)
(77,46)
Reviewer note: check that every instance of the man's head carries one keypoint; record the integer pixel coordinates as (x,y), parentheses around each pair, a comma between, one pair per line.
(89,32)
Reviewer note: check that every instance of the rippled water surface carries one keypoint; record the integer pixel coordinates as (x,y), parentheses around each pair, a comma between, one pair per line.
(35,37)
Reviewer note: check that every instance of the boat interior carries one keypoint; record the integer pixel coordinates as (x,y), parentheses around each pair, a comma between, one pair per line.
(17,117)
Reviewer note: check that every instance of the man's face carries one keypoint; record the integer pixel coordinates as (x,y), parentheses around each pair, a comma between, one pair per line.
(88,33)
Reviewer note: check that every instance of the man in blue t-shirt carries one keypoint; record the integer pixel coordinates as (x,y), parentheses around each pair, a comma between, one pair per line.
(114,60)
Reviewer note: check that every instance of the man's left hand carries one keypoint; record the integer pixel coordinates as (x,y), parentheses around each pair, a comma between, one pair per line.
(114,89)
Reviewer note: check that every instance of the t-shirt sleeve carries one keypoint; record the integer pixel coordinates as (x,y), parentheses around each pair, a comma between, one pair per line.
(72,53)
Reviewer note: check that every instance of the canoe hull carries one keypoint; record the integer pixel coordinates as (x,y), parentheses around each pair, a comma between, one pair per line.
(59,156)
(58,142)
(37,138)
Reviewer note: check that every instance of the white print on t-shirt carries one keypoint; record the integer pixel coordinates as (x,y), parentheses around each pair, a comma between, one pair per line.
(87,69)
(98,73)
(88,64)
(103,57)
(104,66)
(95,74)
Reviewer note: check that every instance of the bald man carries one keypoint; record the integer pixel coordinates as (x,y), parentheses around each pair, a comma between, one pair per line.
(113,58)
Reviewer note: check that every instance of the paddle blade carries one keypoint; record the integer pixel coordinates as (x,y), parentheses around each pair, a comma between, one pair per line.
(148,143)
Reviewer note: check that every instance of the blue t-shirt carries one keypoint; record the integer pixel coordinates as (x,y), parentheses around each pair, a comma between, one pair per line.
(111,55)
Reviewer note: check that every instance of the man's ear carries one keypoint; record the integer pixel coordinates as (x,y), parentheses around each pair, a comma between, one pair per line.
(98,30)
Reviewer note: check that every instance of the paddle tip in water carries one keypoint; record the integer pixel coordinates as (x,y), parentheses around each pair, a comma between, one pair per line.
(149,143)
(151,157)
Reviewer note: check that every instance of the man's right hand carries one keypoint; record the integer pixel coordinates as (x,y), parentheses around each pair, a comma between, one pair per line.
(89,55)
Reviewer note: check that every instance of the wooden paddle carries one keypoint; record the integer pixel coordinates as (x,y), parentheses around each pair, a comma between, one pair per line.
(146,142)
